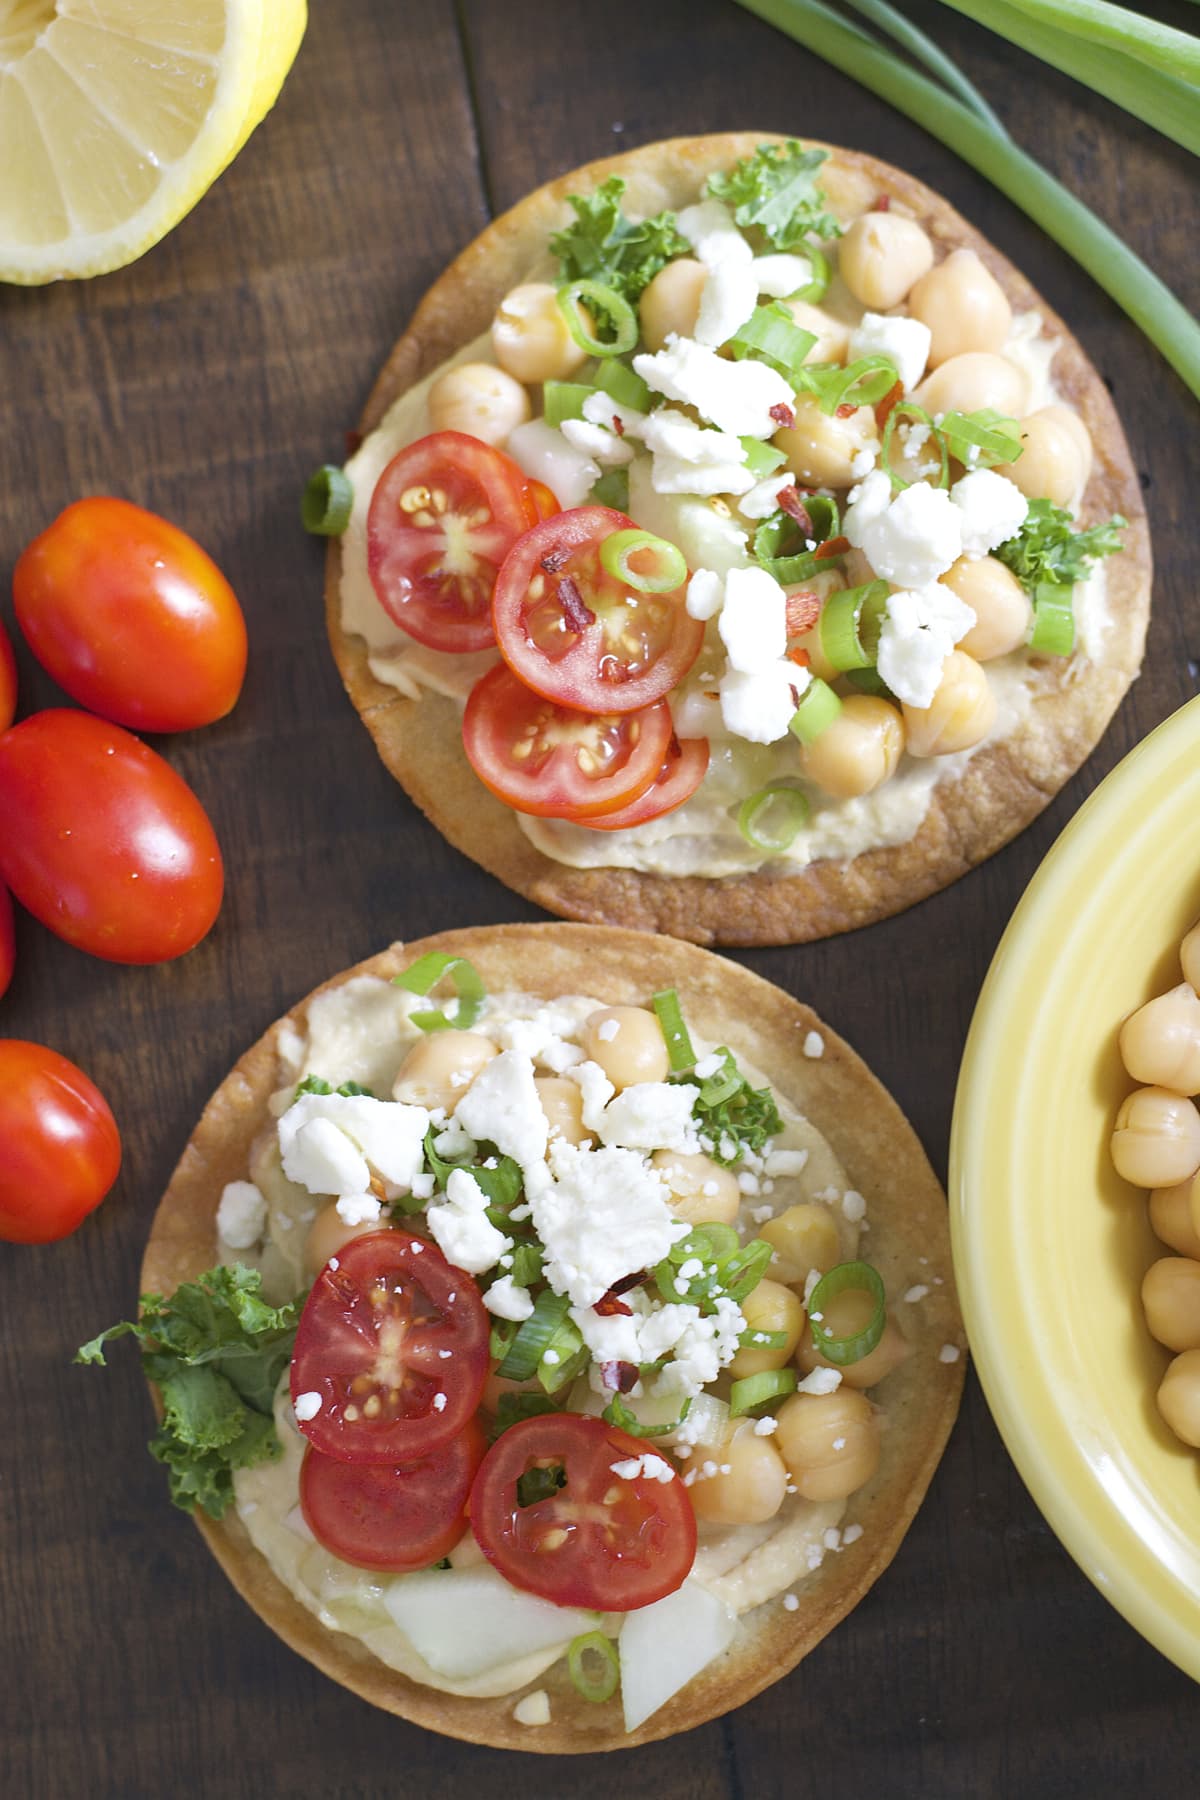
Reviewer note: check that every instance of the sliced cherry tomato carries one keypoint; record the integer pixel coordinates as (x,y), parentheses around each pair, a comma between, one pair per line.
(379,1516)
(578,635)
(678,779)
(59,1145)
(444,515)
(370,1343)
(8,681)
(598,1540)
(545,759)
(8,940)
(131,617)
(545,504)
(103,841)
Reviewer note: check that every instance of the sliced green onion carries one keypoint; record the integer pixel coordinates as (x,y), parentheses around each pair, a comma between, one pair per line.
(820,275)
(573,1359)
(327,501)
(861,1278)
(819,707)
(763,1340)
(670,1017)
(916,415)
(526,1266)
(869,681)
(923,49)
(741,1274)
(992,437)
(500,1338)
(533,1338)
(612,489)
(728,1080)
(579,301)
(423,976)
(771,819)
(623,384)
(860,383)
(667,568)
(624,1417)
(772,336)
(775,537)
(850,623)
(757,1390)
(761,458)
(594,1666)
(564,400)
(1053,632)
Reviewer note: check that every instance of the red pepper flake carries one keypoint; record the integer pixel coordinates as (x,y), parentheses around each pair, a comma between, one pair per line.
(619,1377)
(837,546)
(800,657)
(710,694)
(574,611)
(354,440)
(608,1306)
(883,204)
(617,425)
(892,398)
(795,508)
(783,415)
(554,560)
(803,611)
(845,410)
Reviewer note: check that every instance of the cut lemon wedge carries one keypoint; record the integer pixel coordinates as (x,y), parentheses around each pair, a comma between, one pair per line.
(116,116)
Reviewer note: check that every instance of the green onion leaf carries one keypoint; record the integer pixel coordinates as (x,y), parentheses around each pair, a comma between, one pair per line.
(772,336)
(564,400)
(868,681)
(512,1408)
(761,459)
(659,566)
(742,1272)
(580,301)
(670,1017)
(612,489)
(763,1340)
(593,1666)
(533,1338)
(617,1413)
(526,1265)
(728,1080)
(540,1484)
(327,502)
(820,275)
(770,819)
(564,1357)
(982,439)
(860,383)
(500,1338)
(850,625)
(819,707)
(622,384)
(781,546)
(424,975)
(1053,632)
(916,415)
(754,1391)
(861,1278)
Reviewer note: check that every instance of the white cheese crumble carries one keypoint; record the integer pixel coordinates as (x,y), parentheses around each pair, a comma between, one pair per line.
(502,1105)
(916,1294)
(736,396)
(992,508)
(711,230)
(705,593)
(780,274)
(905,343)
(791,1602)
(814,1045)
(854,1207)
(648,1466)
(533,1709)
(307,1406)
(852,1534)
(920,629)
(601,1214)
(241,1215)
(507,1300)
(766,1426)
(596,441)
(596,1090)
(689,458)
(326,1141)
(358,1209)
(461,1228)
(729,297)
(760,706)
(652,1115)
(753,620)
(785,1162)
(820,1381)
(910,540)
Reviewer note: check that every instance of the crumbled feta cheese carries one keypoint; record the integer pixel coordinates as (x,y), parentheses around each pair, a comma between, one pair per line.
(920,629)
(910,540)
(949,1353)
(852,1534)
(439,1402)
(791,1602)
(603,446)
(502,1105)
(705,592)
(916,1294)
(533,1709)
(539,1039)
(596,1091)
(992,508)
(649,1466)
(609,1337)
(854,1207)
(461,1228)
(423,1187)
(320,1157)
(307,1406)
(781,274)
(729,296)
(753,621)
(786,1162)
(905,343)
(454,1142)
(705,1346)
(760,1214)
(760,706)
(241,1215)
(736,396)
(763,498)
(709,1065)
(507,1300)
(820,1381)
(814,1045)
(831,1538)
(545,455)
(711,230)
(747,1181)
(862,462)
(652,1115)
(766,1426)
(601,409)
(691,459)
(387,1133)
(602,1215)
(358,1209)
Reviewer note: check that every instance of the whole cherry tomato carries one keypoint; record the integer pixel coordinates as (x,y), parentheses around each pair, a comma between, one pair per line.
(131,617)
(8,682)
(8,941)
(59,1145)
(103,841)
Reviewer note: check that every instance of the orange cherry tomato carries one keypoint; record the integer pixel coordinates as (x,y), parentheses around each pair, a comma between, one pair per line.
(59,1145)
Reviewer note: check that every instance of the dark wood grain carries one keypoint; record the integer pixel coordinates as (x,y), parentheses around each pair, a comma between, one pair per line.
(205,381)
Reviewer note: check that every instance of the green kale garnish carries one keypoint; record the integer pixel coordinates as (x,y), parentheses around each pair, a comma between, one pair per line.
(731,1115)
(1048,549)
(777,190)
(603,245)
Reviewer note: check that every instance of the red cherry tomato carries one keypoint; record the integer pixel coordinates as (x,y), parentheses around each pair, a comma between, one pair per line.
(544,503)
(59,1145)
(541,758)
(443,517)
(8,681)
(369,1343)
(8,941)
(103,841)
(599,1541)
(405,1516)
(131,617)
(575,633)
(681,774)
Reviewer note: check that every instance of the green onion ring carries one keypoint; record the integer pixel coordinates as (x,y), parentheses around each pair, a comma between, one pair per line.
(574,296)
(758,1390)
(995,436)
(602,1684)
(564,400)
(858,1276)
(819,706)
(849,627)
(623,384)
(670,1017)
(327,501)
(741,1274)
(625,1419)
(860,383)
(668,571)
(918,416)
(423,976)
(1053,632)
(772,336)
(820,274)
(716,1089)
(763,1340)
(786,803)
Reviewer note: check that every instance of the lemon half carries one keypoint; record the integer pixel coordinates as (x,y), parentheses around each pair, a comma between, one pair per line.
(117,115)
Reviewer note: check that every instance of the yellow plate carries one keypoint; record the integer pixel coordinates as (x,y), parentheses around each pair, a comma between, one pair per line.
(1050,1246)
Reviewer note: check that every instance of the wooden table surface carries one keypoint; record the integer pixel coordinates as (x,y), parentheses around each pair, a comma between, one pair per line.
(205,382)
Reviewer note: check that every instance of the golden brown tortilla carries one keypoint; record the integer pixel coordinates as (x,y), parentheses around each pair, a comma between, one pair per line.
(908,1241)
(1005,786)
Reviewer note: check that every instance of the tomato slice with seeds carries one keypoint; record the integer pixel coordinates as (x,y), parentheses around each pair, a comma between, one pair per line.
(597,1539)
(444,515)
(394,1517)
(678,779)
(394,1343)
(575,633)
(557,763)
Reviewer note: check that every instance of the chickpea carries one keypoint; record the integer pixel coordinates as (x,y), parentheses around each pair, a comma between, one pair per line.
(628,1043)
(769,1307)
(750,1482)
(562,1103)
(1189,956)
(1051,466)
(530,338)
(804,1237)
(1156,1140)
(1160,1042)
(961,713)
(833,337)
(845,1315)
(829,1442)
(880,257)
(1171,1299)
(480,400)
(819,663)
(963,305)
(328,1234)
(702,1192)
(439,1070)
(1175,1216)
(671,302)
(859,751)
(1179,1397)
(821,448)
(999,602)
(972,381)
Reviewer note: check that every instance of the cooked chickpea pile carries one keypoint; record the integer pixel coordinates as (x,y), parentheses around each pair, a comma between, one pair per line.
(1156,1145)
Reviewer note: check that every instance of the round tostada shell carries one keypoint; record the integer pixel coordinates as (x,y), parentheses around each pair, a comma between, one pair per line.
(908,1240)
(1002,788)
